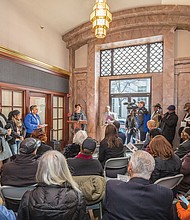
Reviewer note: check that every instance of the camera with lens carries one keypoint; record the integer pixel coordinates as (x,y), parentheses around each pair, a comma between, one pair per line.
(131,105)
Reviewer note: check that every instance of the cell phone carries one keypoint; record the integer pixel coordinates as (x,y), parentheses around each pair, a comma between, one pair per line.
(183,199)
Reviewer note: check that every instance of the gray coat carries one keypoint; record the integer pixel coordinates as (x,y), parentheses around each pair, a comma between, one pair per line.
(5,151)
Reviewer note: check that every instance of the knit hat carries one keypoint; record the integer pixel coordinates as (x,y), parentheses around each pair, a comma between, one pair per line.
(89,144)
(29,145)
(171,107)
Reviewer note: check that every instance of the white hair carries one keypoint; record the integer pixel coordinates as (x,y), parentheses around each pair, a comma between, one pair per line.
(79,137)
(53,170)
(142,164)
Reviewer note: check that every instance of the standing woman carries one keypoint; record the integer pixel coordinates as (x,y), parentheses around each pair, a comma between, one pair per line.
(5,151)
(78,114)
(111,146)
(18,131)
(56,196)
(32,120)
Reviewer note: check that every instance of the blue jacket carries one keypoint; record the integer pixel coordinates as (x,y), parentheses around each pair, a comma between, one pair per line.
(6,214)
(31,122)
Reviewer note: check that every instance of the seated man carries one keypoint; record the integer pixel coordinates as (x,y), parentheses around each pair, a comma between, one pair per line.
(84,164)
(22,170)
(138,199)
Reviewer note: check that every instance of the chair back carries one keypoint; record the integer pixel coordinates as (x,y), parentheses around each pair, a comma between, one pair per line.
(170,181)
(114,166)
(12,195)
(93,188)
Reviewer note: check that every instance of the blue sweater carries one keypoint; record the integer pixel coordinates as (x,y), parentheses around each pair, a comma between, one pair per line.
(31,122)
(6,214)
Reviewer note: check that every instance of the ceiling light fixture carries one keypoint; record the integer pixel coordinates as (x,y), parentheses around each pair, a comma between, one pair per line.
(100,18)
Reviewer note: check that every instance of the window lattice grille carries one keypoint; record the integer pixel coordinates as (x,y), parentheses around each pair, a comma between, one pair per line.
(146,58)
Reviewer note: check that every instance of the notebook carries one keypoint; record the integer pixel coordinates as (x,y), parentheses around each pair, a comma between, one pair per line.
(131,147)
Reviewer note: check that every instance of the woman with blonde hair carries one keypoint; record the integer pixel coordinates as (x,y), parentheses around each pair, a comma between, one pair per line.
(166,162)
(56,196)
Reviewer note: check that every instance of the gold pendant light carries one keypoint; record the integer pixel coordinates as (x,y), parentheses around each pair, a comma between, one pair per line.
(100,18)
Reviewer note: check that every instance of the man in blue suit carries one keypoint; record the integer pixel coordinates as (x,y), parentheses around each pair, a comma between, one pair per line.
(138,199)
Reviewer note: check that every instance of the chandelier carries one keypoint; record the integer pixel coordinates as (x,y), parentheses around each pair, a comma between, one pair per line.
(100,18)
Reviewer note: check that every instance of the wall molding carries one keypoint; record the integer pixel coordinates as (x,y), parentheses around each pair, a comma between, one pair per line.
(172,16)
(31,62)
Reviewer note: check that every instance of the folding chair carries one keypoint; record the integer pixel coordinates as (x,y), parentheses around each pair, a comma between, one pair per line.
(114,166)
(12,195)
(170,181)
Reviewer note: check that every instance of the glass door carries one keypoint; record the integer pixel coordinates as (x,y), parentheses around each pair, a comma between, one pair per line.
(41,103)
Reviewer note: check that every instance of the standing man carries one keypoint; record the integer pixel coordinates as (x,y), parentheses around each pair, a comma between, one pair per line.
(142,117)
(107,118)
(186,119)
(156,115)
(169,123)
(137,199)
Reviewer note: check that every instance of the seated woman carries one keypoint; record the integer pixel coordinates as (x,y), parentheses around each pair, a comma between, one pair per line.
(184,147)
(41,135)
(166,162)
(84,164)
(184,185)
(57,195)
(111,146)
(72,150)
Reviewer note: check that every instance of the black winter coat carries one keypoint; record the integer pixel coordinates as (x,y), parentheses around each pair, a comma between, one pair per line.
(52,203)
(165,168)
(168,125)
(183,149)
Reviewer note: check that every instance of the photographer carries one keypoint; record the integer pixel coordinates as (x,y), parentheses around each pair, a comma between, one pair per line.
(142,117)
(131,126)
(156,115)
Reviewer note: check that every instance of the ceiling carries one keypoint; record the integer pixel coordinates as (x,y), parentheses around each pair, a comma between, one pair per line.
(64,15)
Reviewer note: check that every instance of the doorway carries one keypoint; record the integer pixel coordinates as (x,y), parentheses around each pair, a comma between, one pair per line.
(127,92)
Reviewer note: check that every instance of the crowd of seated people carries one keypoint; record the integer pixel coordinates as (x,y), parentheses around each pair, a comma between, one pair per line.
(52,172)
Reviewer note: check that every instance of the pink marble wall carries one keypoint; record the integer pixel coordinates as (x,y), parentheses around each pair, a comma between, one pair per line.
(167,88)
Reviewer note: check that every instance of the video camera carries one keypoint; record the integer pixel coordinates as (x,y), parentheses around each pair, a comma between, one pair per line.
(131,105)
